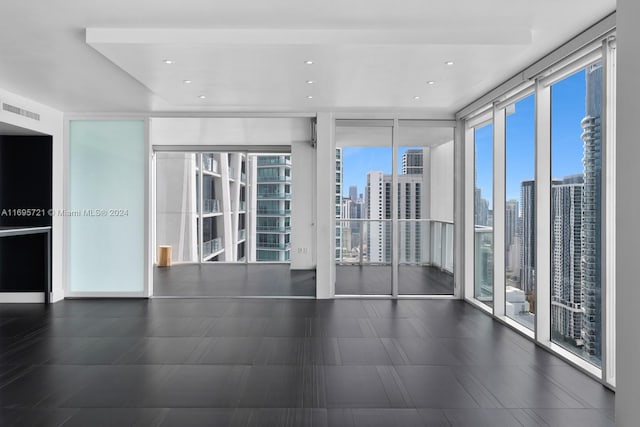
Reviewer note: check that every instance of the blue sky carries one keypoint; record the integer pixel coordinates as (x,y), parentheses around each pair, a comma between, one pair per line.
(567,110)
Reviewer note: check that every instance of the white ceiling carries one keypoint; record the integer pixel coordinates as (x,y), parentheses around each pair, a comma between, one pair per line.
(248,55)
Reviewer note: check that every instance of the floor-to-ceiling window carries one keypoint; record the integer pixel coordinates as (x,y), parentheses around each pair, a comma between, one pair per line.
(553,231)
(483,213)
(520,213)
(576,212)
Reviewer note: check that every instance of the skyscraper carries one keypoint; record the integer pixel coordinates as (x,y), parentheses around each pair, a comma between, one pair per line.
(566,249)
(353,193)
(528,236)
(410,206)
(412,161)
(512,238)
(481,208)
(375,230)
(591,211)
(338,205)
(273,217)
(511,222)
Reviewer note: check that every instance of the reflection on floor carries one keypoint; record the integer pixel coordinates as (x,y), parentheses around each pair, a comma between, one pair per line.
(376,280)
(215,280)
(285,363)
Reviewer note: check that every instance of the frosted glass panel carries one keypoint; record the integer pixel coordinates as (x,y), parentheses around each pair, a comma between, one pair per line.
(106,206)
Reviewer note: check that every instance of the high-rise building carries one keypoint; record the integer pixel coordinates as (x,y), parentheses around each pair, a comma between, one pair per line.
(353,193)
(592,212)
(512,237)
(273,206)
(528,236)
(566,270)
(510,222)
(338,205)
(410,206)
(481,209)
(412,161)
(375,230)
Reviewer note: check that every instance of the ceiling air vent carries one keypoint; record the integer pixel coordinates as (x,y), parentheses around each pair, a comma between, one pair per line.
(17,110)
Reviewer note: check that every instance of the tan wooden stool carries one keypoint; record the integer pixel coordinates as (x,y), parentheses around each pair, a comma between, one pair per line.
(164,256)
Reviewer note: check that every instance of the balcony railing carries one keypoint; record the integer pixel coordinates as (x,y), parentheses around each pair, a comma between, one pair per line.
(210,164)
(274,195)
(274,212)
(273,161)
(273,228)
(243,177)
(242,234)
(270,245)
(212,246)
(420,242)
(211,206)
(232,173)
(267,178)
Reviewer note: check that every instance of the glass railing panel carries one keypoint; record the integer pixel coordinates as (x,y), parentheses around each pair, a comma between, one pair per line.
(423,254)
(364,260)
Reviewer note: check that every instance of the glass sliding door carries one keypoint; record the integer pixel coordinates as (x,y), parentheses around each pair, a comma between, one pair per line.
(425,210)
(394,208)
(520,215)
(363,207)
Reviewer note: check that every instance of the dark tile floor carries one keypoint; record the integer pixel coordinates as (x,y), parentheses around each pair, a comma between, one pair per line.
(226,280)
(247,362)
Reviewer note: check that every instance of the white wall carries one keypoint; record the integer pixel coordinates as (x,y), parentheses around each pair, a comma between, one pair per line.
(273,131)
(628,206)
(303,169)
(442,182)
(50,123)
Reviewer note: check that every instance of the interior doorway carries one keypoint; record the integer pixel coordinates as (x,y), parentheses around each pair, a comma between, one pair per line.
(225,217)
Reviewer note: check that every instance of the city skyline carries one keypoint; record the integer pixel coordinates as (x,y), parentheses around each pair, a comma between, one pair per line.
(358,161)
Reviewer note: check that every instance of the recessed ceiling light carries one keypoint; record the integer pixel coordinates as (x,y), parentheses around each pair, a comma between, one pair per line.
(448,63)
(310,82)
(308,62)
(431,82)
(416,97)
(202,97)
(168,61)
(309,96)
(186,81)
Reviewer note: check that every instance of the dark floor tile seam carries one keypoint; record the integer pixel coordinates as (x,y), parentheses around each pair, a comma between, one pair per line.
(451,421)
(406,396)
(397,347)
(564,387)
(479,384)
(584,404)
(479,381)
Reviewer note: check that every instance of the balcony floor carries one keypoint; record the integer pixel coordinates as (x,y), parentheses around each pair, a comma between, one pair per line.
(376,280)
(224,280)
(248,362)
